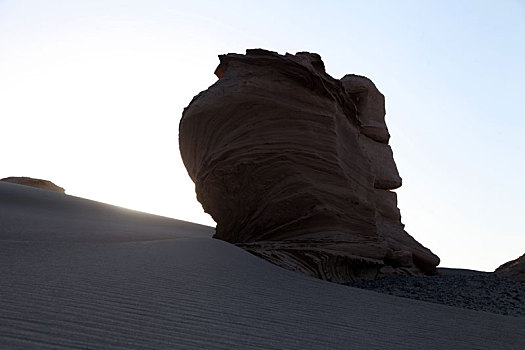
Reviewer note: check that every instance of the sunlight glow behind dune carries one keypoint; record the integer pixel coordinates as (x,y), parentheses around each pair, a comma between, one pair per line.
(91,94)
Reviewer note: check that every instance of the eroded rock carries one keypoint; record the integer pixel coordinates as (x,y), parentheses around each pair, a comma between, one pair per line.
(370,104)
(38,183)
(295,167)
(514,269)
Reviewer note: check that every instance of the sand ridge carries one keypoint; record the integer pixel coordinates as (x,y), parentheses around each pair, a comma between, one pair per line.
(193,292)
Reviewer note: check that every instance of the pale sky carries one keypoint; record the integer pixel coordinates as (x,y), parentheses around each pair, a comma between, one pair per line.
(91,95)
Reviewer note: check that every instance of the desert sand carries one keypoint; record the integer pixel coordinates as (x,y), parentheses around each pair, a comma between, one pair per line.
(78,274)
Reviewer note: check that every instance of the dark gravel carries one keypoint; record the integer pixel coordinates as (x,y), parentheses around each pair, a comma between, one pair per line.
(482,291)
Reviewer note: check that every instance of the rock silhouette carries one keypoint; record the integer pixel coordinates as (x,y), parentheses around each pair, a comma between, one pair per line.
(38,183)
(514,269)
(295,167)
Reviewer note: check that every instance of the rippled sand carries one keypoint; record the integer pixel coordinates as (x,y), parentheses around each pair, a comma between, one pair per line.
(78,274)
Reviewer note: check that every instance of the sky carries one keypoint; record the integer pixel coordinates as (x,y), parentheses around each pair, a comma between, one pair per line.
(92,92)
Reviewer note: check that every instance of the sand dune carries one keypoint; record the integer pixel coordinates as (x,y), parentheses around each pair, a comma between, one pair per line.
(78,274)
(30,214)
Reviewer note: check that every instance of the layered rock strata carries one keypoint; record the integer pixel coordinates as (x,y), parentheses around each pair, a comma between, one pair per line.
(38,183)
(514,269)
(295,167)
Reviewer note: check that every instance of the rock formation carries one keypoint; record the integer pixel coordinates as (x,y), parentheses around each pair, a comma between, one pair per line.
(514,270)
(295,167)
(38,183)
